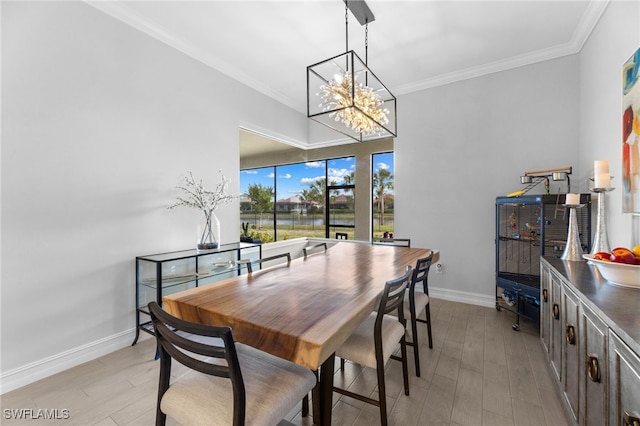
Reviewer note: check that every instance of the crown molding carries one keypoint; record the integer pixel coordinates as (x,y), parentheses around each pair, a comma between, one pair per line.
(587,24)
(581,35)
(119,11)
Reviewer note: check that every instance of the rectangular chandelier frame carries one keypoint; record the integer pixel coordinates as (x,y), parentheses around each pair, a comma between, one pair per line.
(344,66)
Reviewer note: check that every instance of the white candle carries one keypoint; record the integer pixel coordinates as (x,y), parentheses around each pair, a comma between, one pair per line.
(572,199)
(600,167)
(602,180)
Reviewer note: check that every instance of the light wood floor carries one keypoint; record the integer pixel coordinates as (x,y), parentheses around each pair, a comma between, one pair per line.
(479,372)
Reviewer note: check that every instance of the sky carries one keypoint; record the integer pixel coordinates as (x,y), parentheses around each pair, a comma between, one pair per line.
(293,178)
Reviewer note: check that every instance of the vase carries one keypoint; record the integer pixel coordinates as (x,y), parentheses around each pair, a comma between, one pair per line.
(209,232)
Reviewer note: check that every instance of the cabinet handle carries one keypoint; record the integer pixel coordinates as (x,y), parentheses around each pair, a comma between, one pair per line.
(571,334)
(631,419)
(556,311)
(545,295)
(593,369)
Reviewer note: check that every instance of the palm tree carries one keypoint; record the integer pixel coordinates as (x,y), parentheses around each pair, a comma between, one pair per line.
(382,181)
(350,179)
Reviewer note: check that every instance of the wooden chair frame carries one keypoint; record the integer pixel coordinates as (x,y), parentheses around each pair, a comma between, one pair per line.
(400,242)
(392,300)
(267,259)
(307,250)
(173,345)
(420,274)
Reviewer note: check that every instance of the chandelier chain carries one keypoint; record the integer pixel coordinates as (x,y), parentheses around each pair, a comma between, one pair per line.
(366,44)
(346,24)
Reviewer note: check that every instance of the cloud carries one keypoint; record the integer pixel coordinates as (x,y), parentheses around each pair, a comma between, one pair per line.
(285,176)
(309,181)
(337,175)
(383,166)
(314,164)
(271,175)
(250,172)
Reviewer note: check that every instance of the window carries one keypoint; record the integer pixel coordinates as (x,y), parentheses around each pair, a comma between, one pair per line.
(256,203)
(341,197)
(299,201)
(383,195)
(288,201)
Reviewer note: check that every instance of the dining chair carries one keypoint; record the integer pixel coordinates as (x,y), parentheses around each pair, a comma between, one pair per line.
(373,343)
(310,249)
(259,262)
(230,383)
(342,236)
(400,242)
(416,301)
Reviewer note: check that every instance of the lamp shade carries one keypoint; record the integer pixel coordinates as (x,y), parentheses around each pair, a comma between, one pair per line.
(343,94)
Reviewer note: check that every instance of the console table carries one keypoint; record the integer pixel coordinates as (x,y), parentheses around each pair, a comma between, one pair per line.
(158,275)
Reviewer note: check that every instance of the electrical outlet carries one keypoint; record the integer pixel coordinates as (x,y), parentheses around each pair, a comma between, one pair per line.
(439,268)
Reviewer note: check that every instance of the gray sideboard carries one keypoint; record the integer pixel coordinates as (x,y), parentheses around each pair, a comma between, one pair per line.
(590,331)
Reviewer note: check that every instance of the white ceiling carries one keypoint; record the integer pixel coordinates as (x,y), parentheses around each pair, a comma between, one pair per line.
(413,45)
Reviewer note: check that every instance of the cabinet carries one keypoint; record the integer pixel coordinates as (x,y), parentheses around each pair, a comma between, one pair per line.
(556,326)
(571,355)
(592,343)
(158,275)
(528,227)
(624,365)
(594,385)
(545,310)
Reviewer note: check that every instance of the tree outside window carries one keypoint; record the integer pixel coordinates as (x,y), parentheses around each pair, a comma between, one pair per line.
(383,195)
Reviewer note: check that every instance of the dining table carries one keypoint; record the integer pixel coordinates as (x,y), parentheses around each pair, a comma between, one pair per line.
(302,310)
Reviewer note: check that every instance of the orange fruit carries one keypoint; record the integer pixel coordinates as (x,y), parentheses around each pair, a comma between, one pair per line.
(636,250)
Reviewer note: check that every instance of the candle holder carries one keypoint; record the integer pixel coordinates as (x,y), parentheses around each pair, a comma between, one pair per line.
(601,240)
(573,249)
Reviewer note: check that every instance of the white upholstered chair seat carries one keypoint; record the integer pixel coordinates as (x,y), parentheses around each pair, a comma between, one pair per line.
(422,300)
(360,346)
(273,388)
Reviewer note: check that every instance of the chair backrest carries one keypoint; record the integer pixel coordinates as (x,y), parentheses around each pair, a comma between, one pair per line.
(401,242)
(393,299)
(421,273)
(342,236)
(172,343)
(286,255)
(310,249)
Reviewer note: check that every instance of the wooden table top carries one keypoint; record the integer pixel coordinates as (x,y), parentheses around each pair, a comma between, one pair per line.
(302,312)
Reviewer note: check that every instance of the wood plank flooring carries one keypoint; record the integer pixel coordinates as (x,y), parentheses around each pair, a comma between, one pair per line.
(479,372)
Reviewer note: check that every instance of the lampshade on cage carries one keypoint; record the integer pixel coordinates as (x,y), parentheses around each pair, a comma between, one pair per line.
(343,94)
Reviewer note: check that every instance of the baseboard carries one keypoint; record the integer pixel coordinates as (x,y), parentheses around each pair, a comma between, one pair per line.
(29,373)
(462,297)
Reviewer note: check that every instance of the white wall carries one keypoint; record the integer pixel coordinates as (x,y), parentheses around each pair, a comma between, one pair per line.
(614,40)
(100,123)
(463,144)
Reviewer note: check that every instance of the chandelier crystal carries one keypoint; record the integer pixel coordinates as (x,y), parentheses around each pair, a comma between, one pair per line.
(343,93)
(367,110)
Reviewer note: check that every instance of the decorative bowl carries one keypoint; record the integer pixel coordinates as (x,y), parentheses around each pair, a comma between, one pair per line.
(617,273)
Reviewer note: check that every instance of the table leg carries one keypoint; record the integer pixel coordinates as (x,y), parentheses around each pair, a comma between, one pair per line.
(326,390)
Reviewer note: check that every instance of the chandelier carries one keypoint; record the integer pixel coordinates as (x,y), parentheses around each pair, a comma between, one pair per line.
(345,95)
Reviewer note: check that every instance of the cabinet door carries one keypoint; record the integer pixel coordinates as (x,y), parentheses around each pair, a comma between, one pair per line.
(557,329)
(624,383)
(545,308)
(572,364)
(594,370)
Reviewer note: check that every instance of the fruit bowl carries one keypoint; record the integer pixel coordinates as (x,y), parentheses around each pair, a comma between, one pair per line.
(617,273)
